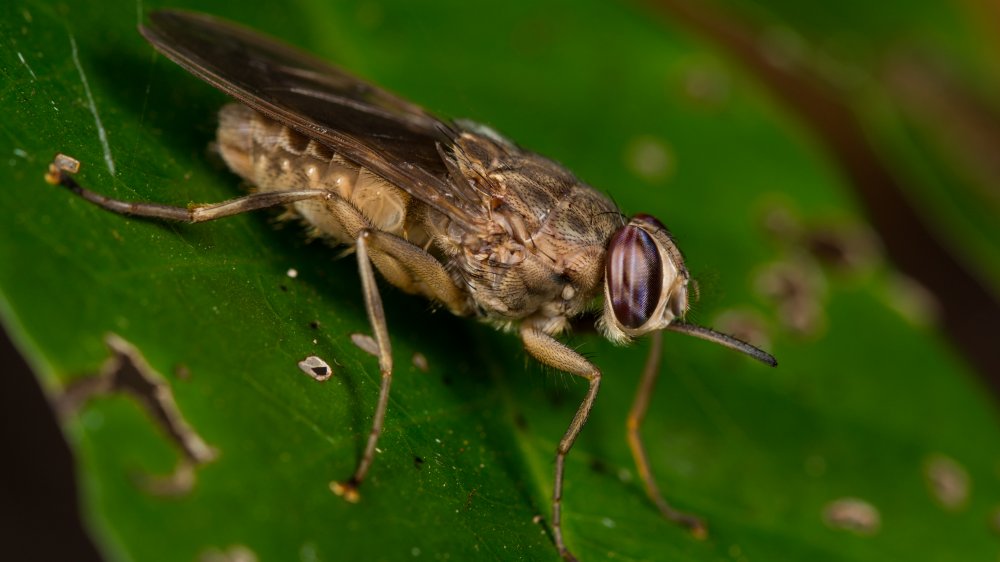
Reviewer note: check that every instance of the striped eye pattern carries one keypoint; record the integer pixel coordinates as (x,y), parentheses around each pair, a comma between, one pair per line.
(634,276)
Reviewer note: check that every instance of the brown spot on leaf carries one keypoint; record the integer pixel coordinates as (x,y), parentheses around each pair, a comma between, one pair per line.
(420,362)
(947,481)
(798,290)
(854,515)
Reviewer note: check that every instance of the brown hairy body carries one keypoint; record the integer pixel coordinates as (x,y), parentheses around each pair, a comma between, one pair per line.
(535,253)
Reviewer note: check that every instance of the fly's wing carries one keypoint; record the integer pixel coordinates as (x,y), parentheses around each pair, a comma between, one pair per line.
(390,136)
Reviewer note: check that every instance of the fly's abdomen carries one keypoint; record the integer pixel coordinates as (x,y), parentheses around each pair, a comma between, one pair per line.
(275,158)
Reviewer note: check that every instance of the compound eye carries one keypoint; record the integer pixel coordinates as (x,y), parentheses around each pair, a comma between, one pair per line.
(634,275)
(650,220)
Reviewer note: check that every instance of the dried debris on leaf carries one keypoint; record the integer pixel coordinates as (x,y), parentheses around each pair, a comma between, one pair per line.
(127,372)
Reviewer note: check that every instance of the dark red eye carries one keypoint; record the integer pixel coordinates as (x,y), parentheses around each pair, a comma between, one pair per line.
(634,274)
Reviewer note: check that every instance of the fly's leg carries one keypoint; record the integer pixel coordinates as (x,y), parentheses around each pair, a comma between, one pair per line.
(635,418)
(554,354)
(376,317)
(413,270)
(60,174)
(410,268)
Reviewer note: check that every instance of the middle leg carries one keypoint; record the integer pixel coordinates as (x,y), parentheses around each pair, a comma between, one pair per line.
(409,268)
(376,317)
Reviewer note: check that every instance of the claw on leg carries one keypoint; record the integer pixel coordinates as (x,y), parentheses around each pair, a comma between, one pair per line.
(347,490)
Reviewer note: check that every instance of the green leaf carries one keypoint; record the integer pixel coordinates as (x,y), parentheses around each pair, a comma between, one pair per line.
(634,105)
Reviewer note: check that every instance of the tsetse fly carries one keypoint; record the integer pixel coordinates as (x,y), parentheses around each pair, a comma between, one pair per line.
(449,210)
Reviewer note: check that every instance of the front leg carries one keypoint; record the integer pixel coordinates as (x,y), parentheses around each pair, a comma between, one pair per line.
(553,353)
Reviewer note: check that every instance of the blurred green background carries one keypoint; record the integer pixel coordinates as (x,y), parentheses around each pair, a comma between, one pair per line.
(830,172)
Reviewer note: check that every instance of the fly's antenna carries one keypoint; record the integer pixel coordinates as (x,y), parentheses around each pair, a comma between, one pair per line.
(724,340)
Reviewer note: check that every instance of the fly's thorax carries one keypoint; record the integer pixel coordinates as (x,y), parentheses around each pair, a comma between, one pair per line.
(541,251)
(274,157)
(645,281)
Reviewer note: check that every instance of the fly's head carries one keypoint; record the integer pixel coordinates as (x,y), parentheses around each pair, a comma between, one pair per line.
(645,281)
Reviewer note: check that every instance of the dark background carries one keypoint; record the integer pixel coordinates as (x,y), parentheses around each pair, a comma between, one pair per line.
(39,511)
